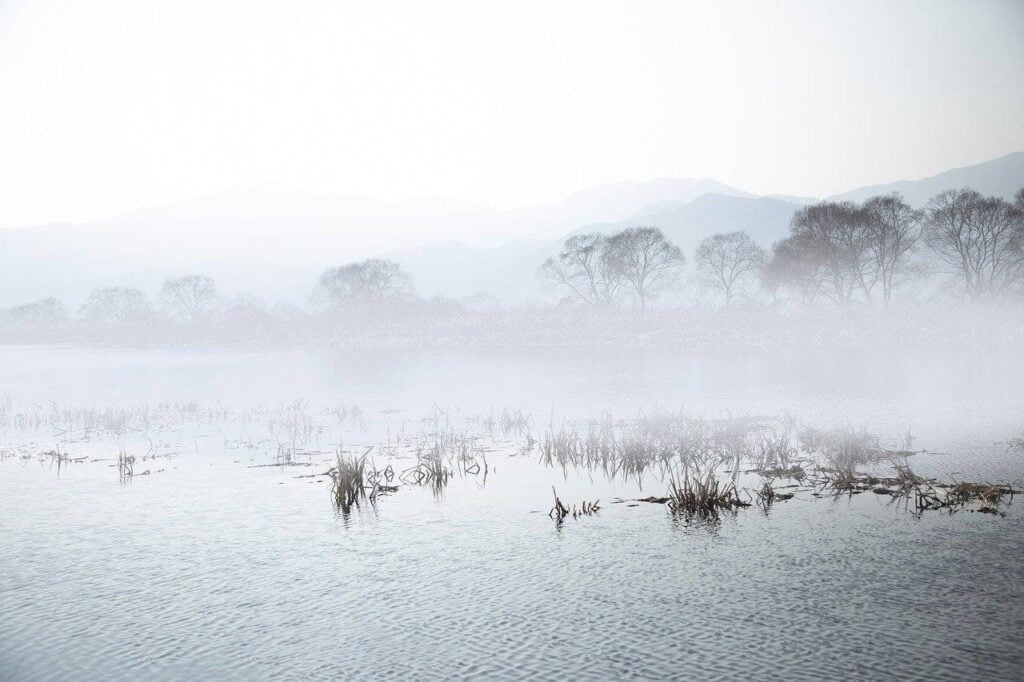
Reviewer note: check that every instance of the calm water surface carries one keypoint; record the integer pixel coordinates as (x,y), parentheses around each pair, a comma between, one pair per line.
(213,568)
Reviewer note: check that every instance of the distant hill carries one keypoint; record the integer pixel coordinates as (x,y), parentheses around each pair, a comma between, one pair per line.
(274,242)
(623,199)
(510,272)
(687,223)
(1000,177)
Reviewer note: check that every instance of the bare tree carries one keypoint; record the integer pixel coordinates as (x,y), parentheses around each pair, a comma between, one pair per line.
(828,252)
(892,230)
(116,304)
(191,297)
(980,238)
(727,261)
(46,311)
(795,268)
(647,262)
(584,269)
(366,285)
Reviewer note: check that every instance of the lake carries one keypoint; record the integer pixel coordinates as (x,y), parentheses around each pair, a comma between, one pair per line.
(227,560)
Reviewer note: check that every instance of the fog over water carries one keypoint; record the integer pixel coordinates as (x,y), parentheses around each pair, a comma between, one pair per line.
(504,341)
(211,565)
(941,391)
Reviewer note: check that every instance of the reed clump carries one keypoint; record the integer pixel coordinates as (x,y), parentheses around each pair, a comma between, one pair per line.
(957,496)
(905,477)
(348,481)
(703,494)
(560,512)
(842,450)
(430,469)
(661,442)
(510,422)
(58,457)
(125,466)
(443,453)
(985,493)
(774,452)
(765,495)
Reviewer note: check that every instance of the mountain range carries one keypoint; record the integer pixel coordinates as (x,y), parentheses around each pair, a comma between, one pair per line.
(273,242)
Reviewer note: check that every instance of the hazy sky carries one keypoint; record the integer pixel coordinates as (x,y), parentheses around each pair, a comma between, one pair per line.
(108,106)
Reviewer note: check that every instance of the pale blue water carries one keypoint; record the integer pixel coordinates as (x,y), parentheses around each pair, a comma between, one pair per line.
(209,568)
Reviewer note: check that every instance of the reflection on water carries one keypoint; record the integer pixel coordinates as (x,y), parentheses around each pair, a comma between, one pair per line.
(214,565)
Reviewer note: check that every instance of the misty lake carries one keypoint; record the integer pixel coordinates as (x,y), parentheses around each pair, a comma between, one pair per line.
(218,557)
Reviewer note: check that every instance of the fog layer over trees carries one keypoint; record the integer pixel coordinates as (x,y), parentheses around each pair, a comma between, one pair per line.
(839,257)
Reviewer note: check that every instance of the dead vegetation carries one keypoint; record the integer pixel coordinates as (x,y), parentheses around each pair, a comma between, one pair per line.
(700,458)
(709,465)
(347,481)
(560,512)
(661,442)
(125,466)
(959,496)
(703,495)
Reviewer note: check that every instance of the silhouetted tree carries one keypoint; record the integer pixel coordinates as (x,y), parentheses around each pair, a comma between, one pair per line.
(828,252)
(791,267)
(647,262)
(191,297)
(727,261)
(584,269)
(892,229)
(366,285)
(116,304)
(980,238)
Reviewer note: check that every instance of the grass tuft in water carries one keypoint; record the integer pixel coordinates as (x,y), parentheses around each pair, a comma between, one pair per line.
(703,494)
(347,481)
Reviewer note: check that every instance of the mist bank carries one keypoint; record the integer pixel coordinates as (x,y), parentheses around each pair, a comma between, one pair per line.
(961,326)
(880,271)
(273,242)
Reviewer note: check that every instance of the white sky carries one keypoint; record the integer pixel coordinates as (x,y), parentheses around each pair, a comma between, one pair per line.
(109,106)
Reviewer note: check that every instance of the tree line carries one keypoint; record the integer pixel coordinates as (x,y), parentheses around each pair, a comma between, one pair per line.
(841,252)
(367,286)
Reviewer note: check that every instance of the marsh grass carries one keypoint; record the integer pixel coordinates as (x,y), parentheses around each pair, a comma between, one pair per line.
(961,495)
(658,442)
(58,457)
(559,512)
(766,495)
(443,453)
(348,480)
(703,494)
(697,457)
(510,423)
(294,426)
(514,423)
(905,477)
(431,469)
(125,466)
(773,450)
(842,450)
(704,450)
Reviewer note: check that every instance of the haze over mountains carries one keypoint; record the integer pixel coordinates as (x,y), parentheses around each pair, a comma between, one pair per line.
(274,242)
